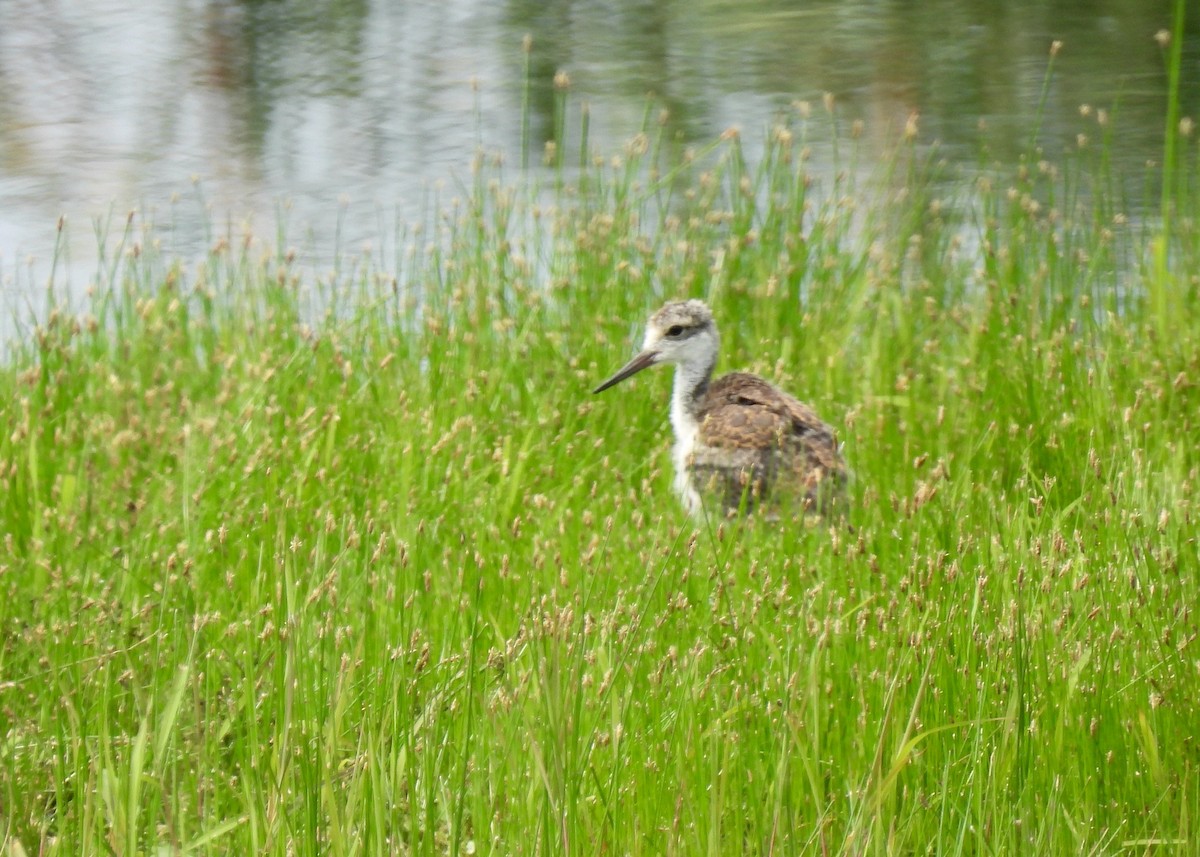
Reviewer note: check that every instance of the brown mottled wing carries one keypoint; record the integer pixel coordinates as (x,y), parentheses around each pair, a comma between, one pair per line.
(776,442)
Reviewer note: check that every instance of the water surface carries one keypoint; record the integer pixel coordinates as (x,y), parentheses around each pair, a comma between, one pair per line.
(354,112)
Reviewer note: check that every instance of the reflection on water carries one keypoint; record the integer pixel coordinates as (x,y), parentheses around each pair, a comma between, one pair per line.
(351,108)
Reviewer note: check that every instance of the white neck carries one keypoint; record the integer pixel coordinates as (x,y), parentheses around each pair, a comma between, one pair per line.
(691,380)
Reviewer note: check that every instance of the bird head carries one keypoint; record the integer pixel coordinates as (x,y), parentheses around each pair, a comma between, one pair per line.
(682,332)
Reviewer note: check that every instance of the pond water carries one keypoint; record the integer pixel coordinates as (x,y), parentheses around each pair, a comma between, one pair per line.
(340,116)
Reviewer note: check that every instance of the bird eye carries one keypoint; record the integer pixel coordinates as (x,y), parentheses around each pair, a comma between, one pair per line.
(674,330)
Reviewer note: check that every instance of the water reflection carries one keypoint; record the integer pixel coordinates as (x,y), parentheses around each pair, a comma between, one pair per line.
(110,105)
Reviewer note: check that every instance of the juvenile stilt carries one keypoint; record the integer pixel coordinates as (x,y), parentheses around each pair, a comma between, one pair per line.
(740,443)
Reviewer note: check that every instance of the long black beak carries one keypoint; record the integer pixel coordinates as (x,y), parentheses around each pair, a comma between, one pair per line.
(637,364)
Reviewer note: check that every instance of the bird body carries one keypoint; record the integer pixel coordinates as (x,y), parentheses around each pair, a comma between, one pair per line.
(740,442)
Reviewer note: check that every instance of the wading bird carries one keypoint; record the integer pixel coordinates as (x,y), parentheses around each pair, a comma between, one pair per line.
(740,443)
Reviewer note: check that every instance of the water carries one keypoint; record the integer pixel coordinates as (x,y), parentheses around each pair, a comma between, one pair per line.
(342,117)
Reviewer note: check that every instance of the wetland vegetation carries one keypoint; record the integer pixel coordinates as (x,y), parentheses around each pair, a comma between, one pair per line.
(352,562)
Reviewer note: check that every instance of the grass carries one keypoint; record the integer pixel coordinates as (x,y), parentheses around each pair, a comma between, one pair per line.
(354,563)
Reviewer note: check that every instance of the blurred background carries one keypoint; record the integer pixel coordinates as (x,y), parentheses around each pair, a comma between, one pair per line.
(336,118)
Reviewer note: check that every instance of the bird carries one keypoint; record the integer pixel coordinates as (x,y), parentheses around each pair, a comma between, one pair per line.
(741,444)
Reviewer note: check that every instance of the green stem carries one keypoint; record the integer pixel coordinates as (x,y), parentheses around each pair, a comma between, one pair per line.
(1161,285)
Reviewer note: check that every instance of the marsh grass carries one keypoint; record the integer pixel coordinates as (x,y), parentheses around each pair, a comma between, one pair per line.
(352,562)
